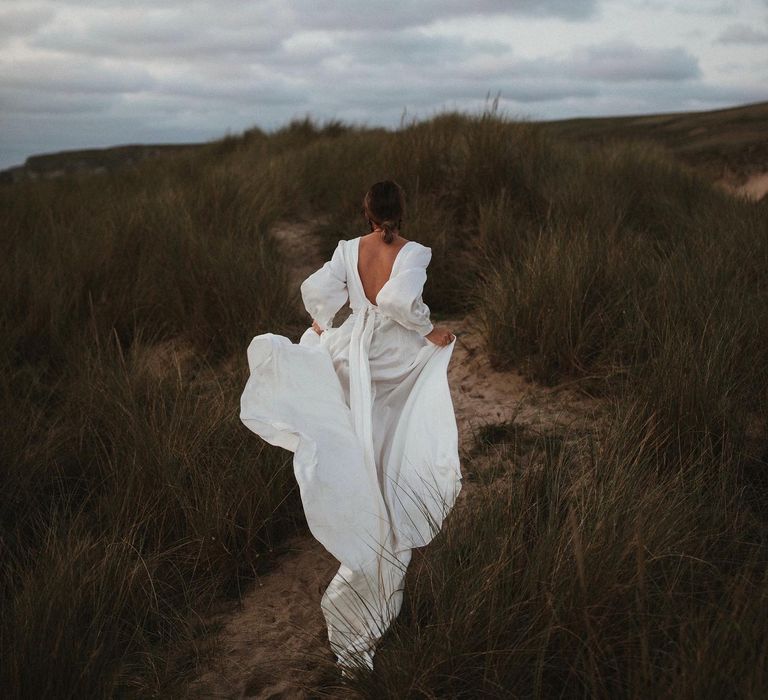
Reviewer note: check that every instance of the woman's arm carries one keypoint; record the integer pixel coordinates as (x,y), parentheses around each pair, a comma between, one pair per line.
(325,291)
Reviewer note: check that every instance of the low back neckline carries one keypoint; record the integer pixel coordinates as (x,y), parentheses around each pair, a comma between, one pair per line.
(391,272)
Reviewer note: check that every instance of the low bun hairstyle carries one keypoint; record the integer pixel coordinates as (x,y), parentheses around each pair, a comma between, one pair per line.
(384,206)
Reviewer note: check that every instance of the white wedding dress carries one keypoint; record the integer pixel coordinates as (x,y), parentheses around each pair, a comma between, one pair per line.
(366,409)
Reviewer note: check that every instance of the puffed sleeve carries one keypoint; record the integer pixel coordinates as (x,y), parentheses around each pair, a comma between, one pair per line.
(324,292)
(401,296)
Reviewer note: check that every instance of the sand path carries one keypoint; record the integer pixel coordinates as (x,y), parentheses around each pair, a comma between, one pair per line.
(753,186)
(273,643)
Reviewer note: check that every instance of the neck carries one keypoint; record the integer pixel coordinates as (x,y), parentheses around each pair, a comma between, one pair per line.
(380,232)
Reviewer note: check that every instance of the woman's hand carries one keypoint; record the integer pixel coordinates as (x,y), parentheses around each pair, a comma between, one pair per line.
(440,335)
(316,328)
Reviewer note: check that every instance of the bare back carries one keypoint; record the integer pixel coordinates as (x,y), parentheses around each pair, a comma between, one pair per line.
(375,262)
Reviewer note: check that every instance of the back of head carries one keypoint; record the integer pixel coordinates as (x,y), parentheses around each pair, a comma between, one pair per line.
(385,206)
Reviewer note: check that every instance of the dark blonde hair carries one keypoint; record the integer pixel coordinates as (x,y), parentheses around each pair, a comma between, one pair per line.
(384,205)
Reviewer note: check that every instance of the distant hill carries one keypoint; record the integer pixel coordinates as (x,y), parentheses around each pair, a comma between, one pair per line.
(728,145)
(93,160)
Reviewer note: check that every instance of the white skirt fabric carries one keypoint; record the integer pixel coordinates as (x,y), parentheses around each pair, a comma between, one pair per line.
(367,411)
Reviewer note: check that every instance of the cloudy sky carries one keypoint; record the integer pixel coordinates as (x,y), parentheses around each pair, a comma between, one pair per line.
(80,73)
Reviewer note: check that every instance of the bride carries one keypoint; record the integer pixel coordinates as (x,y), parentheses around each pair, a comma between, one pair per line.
(366,409)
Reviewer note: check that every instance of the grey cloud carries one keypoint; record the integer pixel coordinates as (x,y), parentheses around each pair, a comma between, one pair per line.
(354,14)
(715,7)
(25,101)
(170,97)
(691,7)
(20,21)
(691,96)
(612,62)
(73,76)
(743,34)
(374,56)
(228,28)
(241,90)
(374,66)
(618,61)
(411,47)
(458,70)
(165,33)
(700,95)
(709,7)
(428,92)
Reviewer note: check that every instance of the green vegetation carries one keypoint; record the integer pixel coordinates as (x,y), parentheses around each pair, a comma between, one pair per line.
(132,497)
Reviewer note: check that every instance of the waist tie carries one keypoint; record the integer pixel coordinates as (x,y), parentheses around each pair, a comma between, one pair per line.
(360,394)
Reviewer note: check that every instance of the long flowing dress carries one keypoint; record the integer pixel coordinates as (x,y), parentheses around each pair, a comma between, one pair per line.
(366,409)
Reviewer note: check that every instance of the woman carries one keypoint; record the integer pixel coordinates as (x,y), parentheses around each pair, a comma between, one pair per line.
(367,411)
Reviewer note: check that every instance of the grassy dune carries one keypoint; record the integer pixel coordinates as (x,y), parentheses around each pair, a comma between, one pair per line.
(132,497)
(722,142)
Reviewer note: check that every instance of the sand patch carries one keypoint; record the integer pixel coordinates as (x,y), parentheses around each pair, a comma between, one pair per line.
(755,187)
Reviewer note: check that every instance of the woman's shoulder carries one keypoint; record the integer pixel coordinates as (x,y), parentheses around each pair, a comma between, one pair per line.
(419,254)
(418,244)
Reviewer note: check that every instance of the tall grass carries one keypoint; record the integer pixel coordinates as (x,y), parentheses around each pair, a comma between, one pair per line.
(654,286)
(595,574)
(131,496)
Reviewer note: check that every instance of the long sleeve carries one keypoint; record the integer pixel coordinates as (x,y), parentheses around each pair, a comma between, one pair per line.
(324,292)
(401,296)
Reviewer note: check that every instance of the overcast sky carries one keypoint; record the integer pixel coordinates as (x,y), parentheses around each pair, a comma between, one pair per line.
(81,73)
